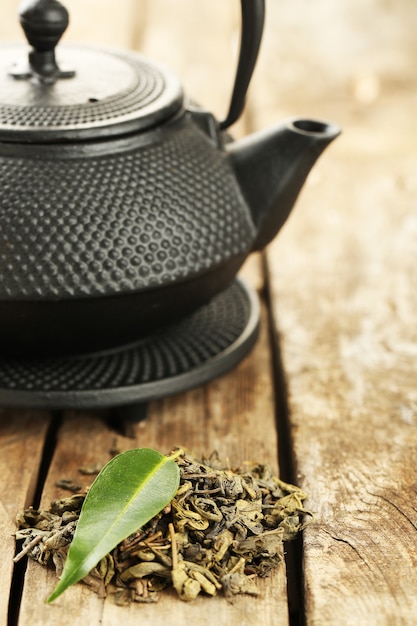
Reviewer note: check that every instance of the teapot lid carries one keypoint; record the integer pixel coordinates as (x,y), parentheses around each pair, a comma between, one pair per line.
(84,93)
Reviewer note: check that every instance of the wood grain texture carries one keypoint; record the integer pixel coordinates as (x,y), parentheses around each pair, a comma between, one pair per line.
(22,438)
(235,416)
(343,274)
(342,277)
(83,440)
(343,280)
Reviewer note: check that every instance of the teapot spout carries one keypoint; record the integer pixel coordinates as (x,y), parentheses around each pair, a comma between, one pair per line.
(271,167)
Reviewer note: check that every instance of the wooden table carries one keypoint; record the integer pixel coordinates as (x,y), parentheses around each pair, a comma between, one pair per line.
(339,310)
(328,397)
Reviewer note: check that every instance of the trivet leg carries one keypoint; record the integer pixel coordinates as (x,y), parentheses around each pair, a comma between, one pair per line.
(130,412)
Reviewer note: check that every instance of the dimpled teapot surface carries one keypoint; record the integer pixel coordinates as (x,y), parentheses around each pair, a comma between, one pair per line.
(122,205)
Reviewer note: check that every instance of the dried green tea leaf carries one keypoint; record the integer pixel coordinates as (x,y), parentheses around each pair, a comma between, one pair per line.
(68,484)
(144,569)
(186,587)
(223,529)
(236,582)
(129,491)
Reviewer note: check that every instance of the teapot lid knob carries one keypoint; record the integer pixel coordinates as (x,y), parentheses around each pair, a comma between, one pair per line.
(113,93)
(44,22)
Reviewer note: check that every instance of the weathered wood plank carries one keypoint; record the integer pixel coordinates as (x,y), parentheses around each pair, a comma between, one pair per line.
(343,275)
(234,415)
(343,278)
(83,440)
(22,439)
(325,58)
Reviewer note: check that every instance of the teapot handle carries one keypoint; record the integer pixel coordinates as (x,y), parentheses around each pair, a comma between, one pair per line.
(253,17)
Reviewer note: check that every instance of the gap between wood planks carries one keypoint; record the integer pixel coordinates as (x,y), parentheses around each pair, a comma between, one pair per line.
(121,426)
(288,472)
(119,422)
(19,569)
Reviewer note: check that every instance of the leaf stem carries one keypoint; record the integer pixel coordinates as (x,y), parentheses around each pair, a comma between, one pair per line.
(176,454)
(28,548)
(174,545)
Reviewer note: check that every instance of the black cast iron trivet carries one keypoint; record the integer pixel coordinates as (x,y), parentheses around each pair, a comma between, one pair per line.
(189,353)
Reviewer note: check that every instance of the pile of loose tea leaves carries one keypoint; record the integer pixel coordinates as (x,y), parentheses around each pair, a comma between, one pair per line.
(223,529)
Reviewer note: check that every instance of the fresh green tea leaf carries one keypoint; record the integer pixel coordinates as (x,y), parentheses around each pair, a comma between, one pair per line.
(131,489)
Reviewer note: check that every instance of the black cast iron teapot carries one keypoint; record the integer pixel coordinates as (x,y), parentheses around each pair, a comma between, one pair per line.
(123,205)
